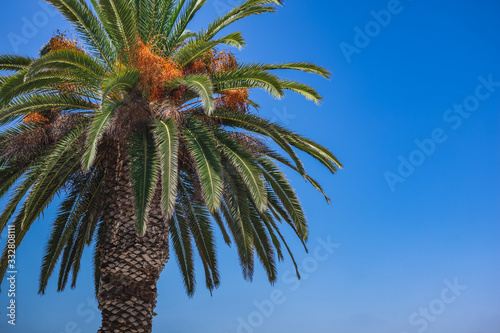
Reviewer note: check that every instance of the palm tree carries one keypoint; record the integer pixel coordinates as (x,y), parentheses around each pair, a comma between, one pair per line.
(144,132)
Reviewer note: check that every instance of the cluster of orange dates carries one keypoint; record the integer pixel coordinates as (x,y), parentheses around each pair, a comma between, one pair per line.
(157,71)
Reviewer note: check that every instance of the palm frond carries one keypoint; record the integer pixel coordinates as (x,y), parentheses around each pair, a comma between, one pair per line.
(247,8)
(120,24)
(25,105)
(170,16)
(99,125)
(243,161)
(286,194)
(202,148)
(247,78)
(121,82)
(299,66)
(168,145)
(88,26)
(259,125)
(72,61)
(18,85)
(181,242)
(319,152)
(12,62)
(17,196)
(236,210)
(201,85)
(8,176)
(303,89)
(144,170)
(220,223)
(196,49)
(80,203)
(199,224)
(174,36)
(63,162)
(262,244)
(150,17)
(286,162)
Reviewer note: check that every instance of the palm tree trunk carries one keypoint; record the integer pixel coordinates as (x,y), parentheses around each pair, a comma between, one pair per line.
(130,265)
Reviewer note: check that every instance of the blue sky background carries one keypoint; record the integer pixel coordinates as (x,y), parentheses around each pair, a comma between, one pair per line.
(395,246)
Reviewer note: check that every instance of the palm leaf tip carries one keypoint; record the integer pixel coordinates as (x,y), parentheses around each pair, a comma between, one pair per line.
(9,62)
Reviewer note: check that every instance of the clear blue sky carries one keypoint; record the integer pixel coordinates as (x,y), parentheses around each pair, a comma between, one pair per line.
(399,234)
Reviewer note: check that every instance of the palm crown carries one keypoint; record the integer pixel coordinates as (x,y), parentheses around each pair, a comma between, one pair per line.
(138,92)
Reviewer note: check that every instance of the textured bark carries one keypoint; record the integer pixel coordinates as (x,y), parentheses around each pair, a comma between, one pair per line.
(130,264)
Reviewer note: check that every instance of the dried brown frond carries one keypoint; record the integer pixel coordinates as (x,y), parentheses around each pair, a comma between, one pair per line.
(61,123)
(47,128)
(133,114)
(164,109)
(185,159)
(22,146)
(249,142)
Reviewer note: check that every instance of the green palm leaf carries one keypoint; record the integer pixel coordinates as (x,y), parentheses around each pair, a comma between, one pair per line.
(196,49)
(88,26)
(181,241)
(78,204)
(263,246)
(247,8)
(199,224)
(303,89)
(174,35)
(202,148)
(201,85)
(247,78)
(286,194)
(168,145)
(236,211)
(243,161)
(56,169)
(75,62)
(259,125)
(120,24)
(144,169)
(12,62)
(100,123)
(42,102)
(17,196)
(299,66)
